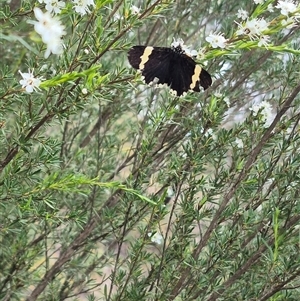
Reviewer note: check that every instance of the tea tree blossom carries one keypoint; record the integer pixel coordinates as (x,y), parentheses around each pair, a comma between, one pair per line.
(53,6)
(227,101)
(216,40)
(156,238)
(253,28)
(50,29)
(209,133)
(135,10)
(286,7)
(265,110)
(29,82)
(242,14)
(47,25)
(239,143)
(185,48)
(82,6)
(201,54)
(289,23)
(263,41)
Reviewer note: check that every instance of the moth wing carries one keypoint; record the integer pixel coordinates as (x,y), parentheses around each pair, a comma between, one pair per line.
(134,55)
(187,75)
(205,79)
(181,70)
(164,66)
(155,66)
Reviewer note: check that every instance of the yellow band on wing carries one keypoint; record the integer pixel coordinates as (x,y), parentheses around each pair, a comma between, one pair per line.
(145,57)
(195,77)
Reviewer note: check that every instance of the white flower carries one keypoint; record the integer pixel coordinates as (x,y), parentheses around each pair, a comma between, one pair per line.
(242,14)
(47,25)
(156,238)
(260,25)
(227,101)
(263,41)
(51,31)
(177,43)
(210,133)
(265,110)
(186,49)
(29,82)
(200,54)
(289,23)
(191,52)
(81,6)
(54,46)
(216,40)
(258,106)
(44,67)
(239,143)
(117,17)
(259,1)
(135,10)
(84,91)
(253,28)
(48,69)
(53,6)
(286,7)
(293,185)
(170,192)
(53,70)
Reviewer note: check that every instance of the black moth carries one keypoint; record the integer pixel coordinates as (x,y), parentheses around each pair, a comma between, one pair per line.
(171,66)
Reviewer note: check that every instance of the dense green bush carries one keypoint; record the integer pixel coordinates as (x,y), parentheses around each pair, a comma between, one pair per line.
(113,190)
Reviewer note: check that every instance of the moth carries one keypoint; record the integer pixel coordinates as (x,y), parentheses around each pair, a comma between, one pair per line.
(170,66)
